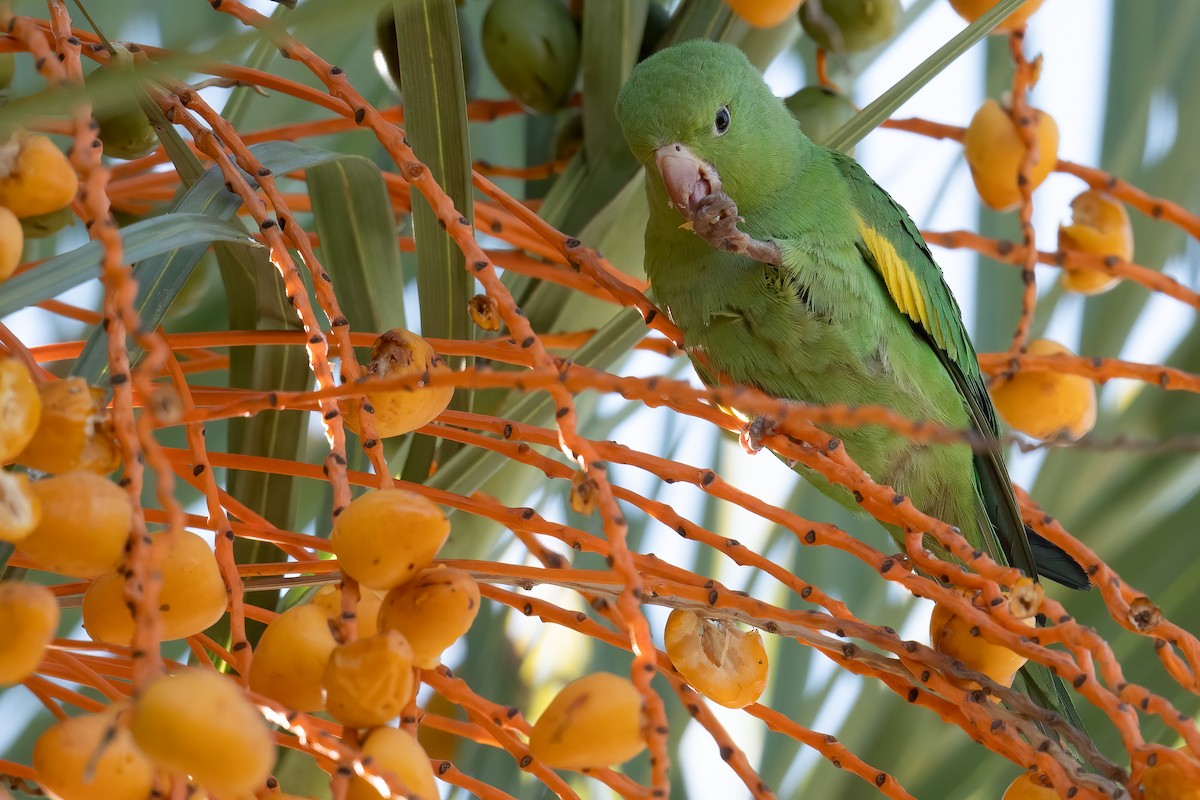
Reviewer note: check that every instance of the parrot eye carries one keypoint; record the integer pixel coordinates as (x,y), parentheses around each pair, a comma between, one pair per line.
(721,123)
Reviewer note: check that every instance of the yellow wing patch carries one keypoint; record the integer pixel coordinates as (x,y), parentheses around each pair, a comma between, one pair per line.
(898,277)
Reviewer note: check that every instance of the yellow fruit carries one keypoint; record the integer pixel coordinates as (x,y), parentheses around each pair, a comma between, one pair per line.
(1047,404)
(28,619)
(994,151)
(951,634)
(1027,787)
(971,10)
(432,610)
(35,176)
(1166,780)
(850,26)
(191,599)
(395,751)
(1100,226)
(329,598)
(368,682)
(198,722)
(764,13)
(384,537)
(12,241)
(594,721)
(74,431)
(84,527)
(290,658)
(92,756)
(721,662)
(397,411)
(20,408)
(20,508)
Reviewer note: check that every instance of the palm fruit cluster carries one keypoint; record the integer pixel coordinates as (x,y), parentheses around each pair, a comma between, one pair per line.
(409,612)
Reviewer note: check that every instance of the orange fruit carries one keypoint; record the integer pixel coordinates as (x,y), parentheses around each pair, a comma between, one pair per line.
(91,756)
(395,751)
(397,411)
(432,611)
(764,13)
(1028,787)
(20,408)
(192,596)
(594,721)
(994,151)
(28,618)
(720,661)
(199,722)
(1046,404)
(20,508)
(384,537)
(74,431)
(84,526)
(35,176)
(1167,780)
(369,681)
(1099,226)
(971,10)
(291,656)
(12,241)
(951,634)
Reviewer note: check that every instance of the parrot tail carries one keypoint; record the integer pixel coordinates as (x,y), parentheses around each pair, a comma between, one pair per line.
(1053,563)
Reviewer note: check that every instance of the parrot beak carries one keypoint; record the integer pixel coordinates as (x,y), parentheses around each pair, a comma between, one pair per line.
(688,178)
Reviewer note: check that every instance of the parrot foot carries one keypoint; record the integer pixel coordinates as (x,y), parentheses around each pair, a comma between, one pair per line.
(755,431)
(715,220)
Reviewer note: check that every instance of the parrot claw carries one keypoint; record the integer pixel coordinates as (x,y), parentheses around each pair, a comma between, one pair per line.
(755,431)
(715,220)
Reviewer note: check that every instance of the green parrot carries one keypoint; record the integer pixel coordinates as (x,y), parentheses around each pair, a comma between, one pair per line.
(789,269)
(800,276)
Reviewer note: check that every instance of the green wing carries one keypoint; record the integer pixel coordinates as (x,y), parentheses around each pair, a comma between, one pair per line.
(892,246)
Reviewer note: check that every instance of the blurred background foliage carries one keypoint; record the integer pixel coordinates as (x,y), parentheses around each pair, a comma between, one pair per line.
(1140,511)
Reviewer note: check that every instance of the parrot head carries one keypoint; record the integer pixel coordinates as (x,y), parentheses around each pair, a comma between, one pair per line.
(699,116)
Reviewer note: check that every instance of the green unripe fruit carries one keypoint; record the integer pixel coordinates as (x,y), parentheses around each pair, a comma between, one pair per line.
(387,54)
(533,49)
(820,111)
(39,226)
(124,128)
(127,133)
(8,68)
(850,26)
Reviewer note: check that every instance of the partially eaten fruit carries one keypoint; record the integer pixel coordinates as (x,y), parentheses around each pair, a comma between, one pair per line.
(720,661)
